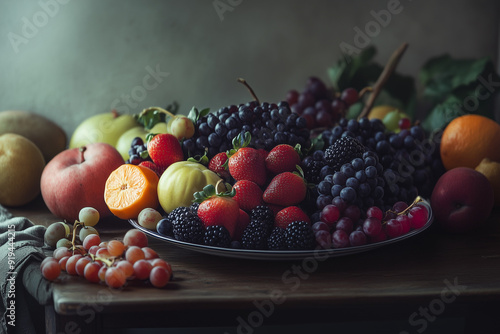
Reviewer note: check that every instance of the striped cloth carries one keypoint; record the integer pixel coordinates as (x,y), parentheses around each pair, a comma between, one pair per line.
(24,291)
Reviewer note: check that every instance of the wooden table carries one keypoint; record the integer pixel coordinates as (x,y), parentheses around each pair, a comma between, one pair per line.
(415,284)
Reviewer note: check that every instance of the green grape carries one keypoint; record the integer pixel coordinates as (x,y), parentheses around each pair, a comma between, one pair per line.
(87,230)
(55,232)
(64,243)
(89,216)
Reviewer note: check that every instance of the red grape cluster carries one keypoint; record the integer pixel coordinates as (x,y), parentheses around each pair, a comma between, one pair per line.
(319,105)
(113,263)
(343,226)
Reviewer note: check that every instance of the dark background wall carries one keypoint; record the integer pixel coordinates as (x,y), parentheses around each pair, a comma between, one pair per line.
(70,59)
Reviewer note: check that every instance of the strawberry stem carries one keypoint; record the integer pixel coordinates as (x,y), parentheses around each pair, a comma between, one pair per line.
(210,191)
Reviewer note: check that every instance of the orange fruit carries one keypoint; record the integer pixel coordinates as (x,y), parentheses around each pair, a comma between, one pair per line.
(129,189)
(469,139)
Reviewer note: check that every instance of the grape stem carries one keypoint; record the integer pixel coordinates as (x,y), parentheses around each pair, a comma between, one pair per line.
(245,83)
(382,79)
(417,200)
(156,108)
(364,91)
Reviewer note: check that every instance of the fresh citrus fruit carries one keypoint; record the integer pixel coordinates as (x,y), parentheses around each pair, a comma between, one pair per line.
(469,139)
(129,189)
(491,170)
(380,111)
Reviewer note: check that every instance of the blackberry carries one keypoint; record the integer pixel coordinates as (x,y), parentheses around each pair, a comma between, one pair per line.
(255,235)
(264,214)
(299,235)
(194,207)
(217,235)
(186,225)
(277,239)
(313,165)
(342,151)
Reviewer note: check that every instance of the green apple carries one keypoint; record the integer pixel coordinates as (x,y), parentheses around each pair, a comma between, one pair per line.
(392,118)
(102,128)
(125,140)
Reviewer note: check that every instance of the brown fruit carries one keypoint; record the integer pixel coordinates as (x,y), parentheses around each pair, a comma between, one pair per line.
(48,136)
(21,166)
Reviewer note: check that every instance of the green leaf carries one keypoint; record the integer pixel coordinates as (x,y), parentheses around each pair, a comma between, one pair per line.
(442,75)
(360,72)
(343,72)
(195,114)
(442,114)
(150,118)
(203,159)
(173,107)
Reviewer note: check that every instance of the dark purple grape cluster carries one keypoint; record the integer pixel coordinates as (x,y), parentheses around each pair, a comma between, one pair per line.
(413,160)
(269,124)
(319,105)
(138,152)
(359,182)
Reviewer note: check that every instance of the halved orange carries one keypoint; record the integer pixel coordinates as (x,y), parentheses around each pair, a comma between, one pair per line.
(129,189)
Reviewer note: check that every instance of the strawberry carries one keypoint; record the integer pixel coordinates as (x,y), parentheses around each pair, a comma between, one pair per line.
(165,149)
(217,208)
(282,158)
(285,189)
(275,208)
(263,152)
(246,163)
(290,214)
(248,194)
(217,165)
(151,165)
(243,221)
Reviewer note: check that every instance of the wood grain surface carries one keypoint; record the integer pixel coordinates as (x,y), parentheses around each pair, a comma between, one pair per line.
(392,281)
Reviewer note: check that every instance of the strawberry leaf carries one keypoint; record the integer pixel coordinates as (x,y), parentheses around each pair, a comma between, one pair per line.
(150,136)
(209,191)
(203,159)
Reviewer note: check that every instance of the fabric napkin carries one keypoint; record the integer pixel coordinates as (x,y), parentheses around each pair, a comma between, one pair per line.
(23,289)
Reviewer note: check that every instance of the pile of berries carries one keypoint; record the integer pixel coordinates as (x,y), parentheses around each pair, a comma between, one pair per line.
(263,201)
(341,225)
(269,124)
(319,105)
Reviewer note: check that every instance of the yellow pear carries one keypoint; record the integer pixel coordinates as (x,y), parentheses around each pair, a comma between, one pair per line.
(491,169)
(21,166)
(102,128)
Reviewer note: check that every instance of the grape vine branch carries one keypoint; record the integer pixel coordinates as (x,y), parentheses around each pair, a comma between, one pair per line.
(382,79)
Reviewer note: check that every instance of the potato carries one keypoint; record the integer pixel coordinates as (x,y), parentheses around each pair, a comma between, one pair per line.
(48,136)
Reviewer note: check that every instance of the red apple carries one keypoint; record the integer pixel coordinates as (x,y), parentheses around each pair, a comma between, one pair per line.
(462,199)
(75,178)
